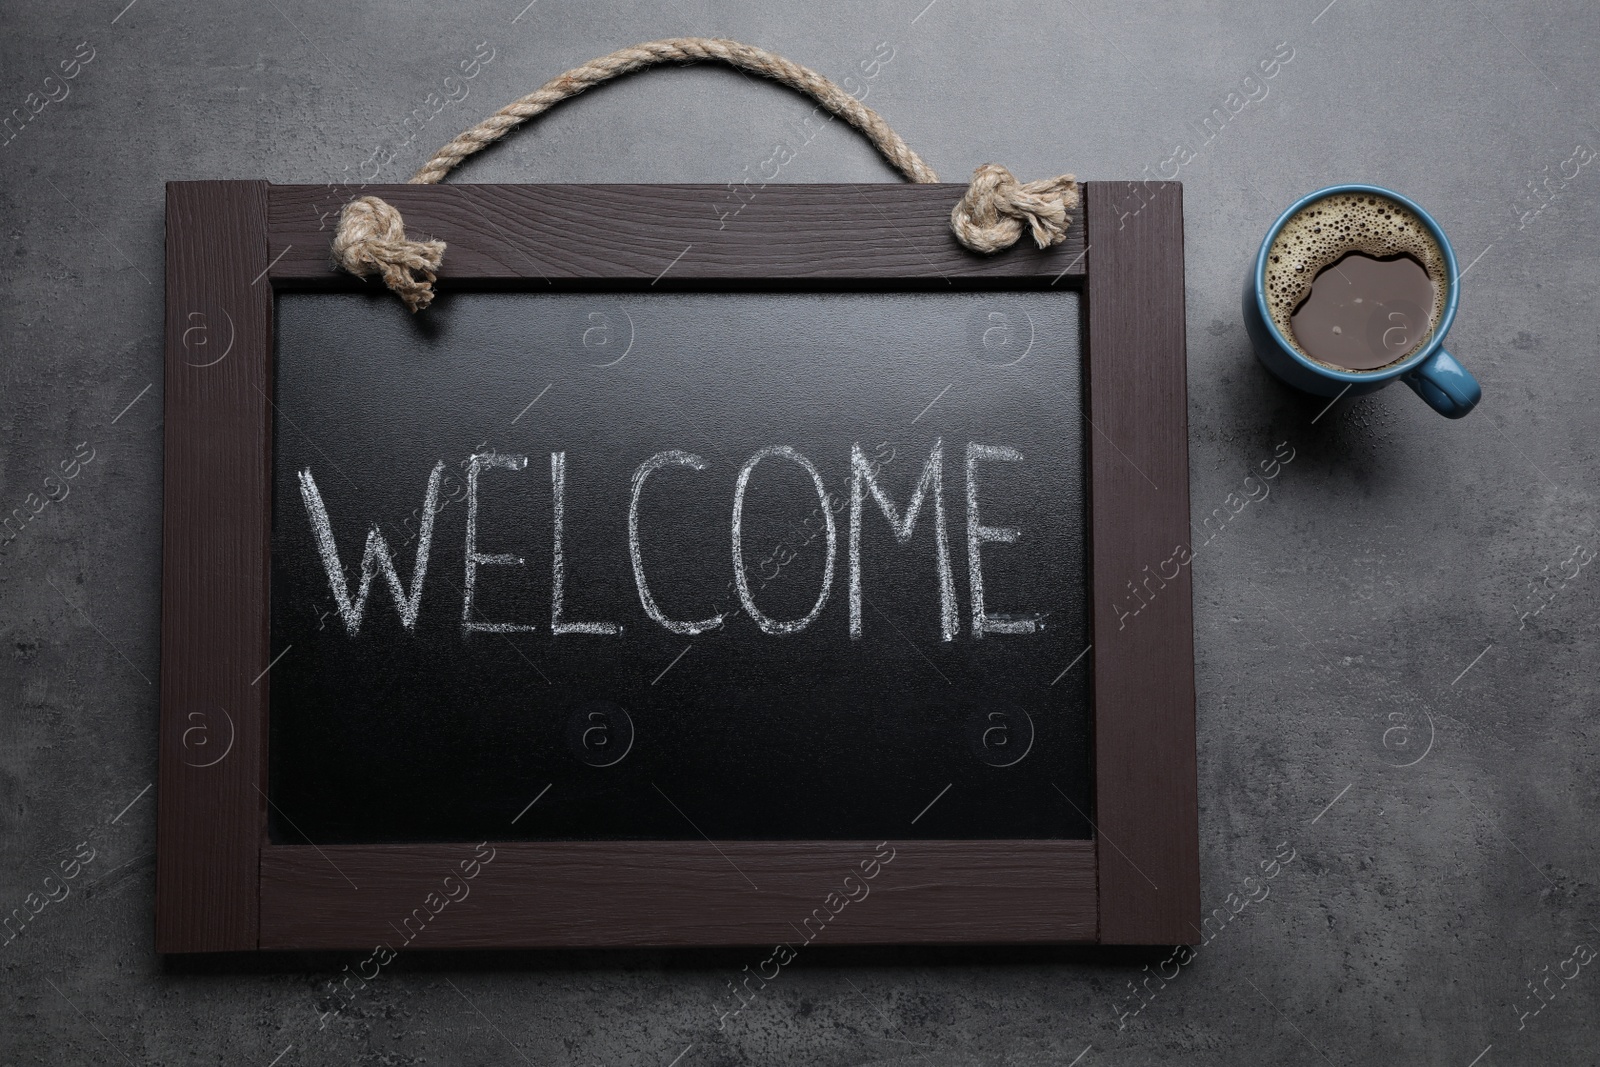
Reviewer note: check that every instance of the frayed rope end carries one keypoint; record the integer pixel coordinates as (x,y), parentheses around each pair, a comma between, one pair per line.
(371,239)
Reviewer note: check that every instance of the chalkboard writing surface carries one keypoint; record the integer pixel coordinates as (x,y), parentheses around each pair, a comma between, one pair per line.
(667,708)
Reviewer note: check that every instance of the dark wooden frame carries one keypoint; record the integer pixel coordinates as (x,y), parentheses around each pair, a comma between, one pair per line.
(221,886)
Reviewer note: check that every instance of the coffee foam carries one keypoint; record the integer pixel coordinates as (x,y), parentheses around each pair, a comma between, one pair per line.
(1323,231)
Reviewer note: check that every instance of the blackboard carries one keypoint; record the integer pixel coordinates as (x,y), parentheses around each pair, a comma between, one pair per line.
(319,778)
(865,690)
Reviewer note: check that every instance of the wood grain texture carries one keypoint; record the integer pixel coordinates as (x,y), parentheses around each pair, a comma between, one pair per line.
(217,512)
(677,893)
(1144,734)
(681,234)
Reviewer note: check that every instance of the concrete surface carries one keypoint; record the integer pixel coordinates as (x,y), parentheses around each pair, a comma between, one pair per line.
(1369,692)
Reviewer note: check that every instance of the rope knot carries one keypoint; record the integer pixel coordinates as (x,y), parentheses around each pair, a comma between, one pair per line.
(990,215)
(371,239)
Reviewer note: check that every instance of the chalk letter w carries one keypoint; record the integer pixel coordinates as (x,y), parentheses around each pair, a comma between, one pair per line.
(375,557)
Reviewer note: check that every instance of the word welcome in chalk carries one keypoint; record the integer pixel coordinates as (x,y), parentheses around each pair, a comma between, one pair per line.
(377,558)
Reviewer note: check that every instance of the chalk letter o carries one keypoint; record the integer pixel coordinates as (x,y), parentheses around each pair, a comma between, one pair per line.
(769,625)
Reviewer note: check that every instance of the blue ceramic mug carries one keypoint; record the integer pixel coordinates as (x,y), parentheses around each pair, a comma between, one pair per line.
(1431,372)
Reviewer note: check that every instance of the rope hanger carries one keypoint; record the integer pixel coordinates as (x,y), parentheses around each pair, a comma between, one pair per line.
(990,216)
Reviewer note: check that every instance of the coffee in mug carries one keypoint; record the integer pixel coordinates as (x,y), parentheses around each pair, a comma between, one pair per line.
(1356,281)
(1392,306)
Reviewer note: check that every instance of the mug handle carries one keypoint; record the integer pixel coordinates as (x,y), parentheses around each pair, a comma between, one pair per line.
(1446,386)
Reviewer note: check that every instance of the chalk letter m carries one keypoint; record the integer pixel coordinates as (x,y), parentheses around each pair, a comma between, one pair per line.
(931,483)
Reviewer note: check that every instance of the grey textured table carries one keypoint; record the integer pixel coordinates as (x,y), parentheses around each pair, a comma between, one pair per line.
(1375,690)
